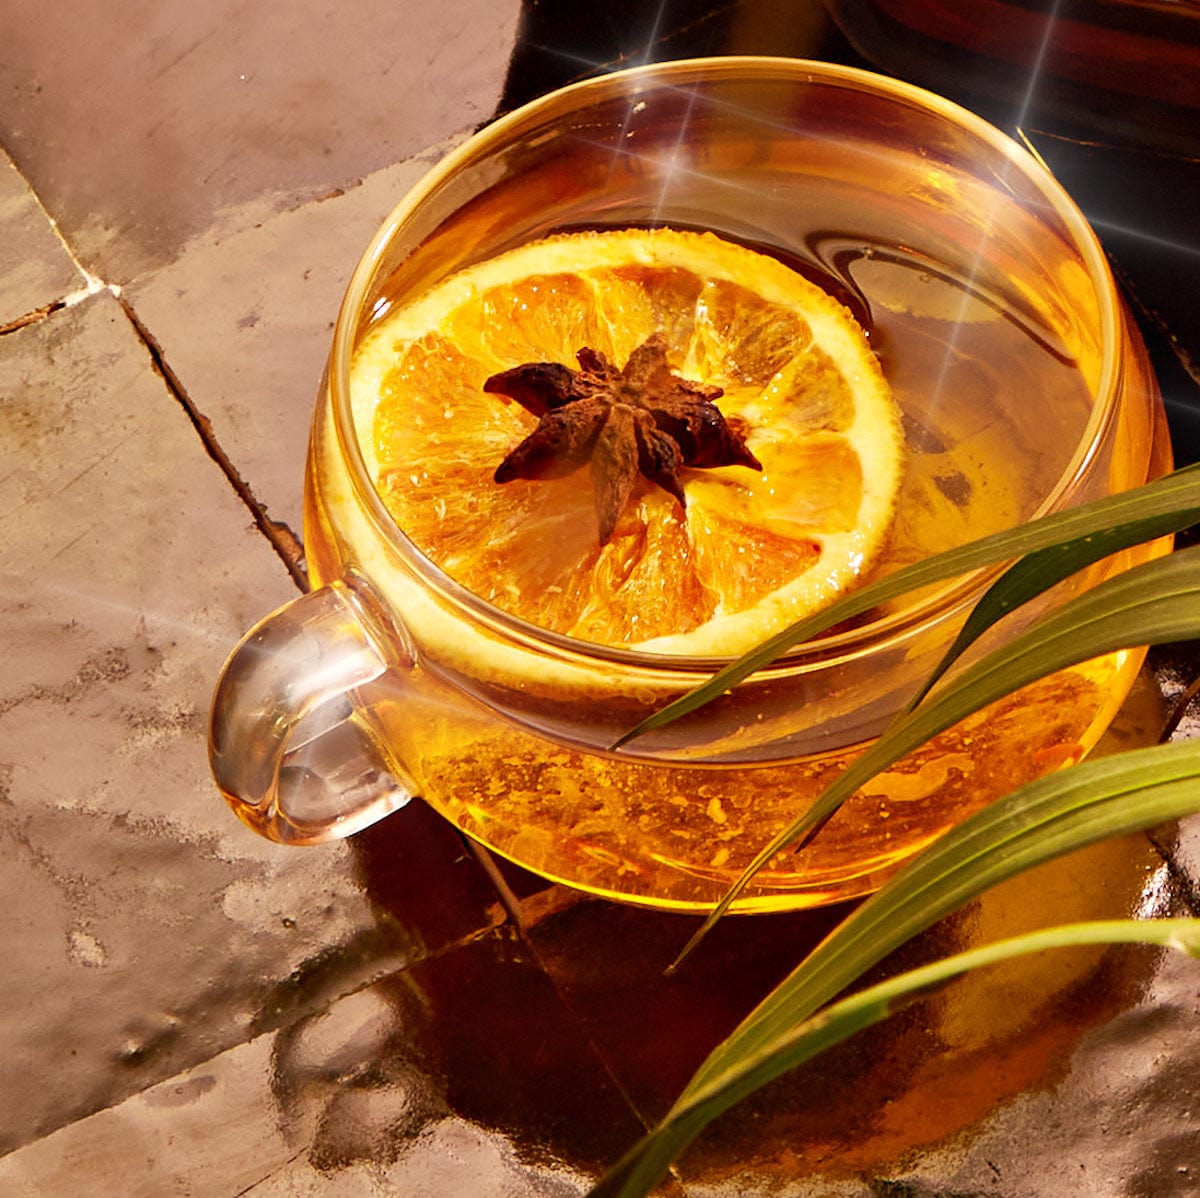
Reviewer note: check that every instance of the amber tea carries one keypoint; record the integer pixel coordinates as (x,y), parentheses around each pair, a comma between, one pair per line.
(990,410)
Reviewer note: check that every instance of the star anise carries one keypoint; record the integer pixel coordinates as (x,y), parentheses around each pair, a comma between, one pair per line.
(642,419)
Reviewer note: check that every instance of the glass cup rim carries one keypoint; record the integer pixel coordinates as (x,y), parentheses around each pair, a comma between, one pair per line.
(871,637)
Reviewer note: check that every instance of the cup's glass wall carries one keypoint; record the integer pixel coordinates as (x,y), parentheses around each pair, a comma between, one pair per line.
(997,323)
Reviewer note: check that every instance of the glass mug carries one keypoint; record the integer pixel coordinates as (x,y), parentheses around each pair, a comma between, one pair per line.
(1024,390)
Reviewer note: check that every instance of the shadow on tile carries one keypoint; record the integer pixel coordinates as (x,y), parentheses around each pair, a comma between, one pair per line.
(478,1035)
(419,872)
(928,1075)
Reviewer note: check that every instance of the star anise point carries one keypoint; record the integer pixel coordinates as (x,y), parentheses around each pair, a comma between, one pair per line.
(642,419)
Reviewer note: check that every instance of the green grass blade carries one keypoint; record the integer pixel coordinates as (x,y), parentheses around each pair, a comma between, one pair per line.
(1150,604)
(647,1163)
(1090,802)
(1167,505)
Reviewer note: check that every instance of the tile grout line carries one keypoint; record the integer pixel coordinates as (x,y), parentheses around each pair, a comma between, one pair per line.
(92,283)
(508,900)
(37,315)
(1187,889)
(283,540)
(512,906)
(33,317)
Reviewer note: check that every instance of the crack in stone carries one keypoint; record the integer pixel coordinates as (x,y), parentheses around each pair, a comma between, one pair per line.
(34,317)
(282,539)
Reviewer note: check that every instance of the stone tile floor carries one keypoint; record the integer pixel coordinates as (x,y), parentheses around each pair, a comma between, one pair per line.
(190,1010)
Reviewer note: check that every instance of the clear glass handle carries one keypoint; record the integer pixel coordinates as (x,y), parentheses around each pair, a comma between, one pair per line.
(289,745)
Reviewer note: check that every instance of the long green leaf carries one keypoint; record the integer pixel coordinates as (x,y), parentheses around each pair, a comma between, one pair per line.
(647,1163)
(1167,505)
(1036,573)
(1150,604)
(1053,815)
(1090,802)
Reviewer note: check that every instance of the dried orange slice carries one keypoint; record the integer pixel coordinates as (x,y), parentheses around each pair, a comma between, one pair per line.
(748,552)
